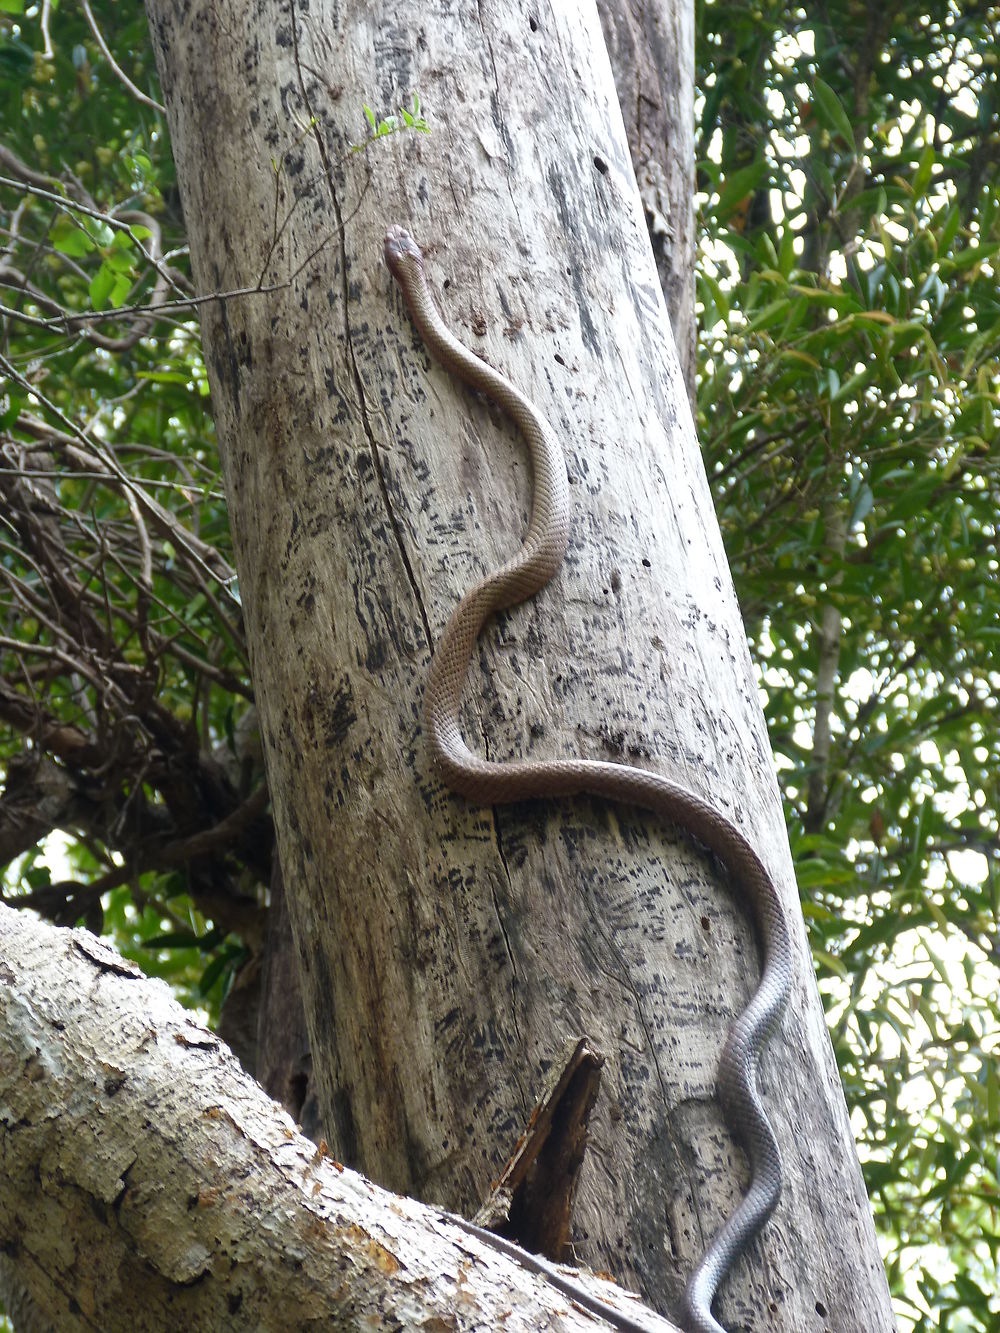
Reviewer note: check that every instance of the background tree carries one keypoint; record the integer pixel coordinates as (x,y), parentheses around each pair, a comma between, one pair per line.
(848,394)
(848,390)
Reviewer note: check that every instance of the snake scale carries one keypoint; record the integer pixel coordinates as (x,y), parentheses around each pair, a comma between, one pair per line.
(496,782)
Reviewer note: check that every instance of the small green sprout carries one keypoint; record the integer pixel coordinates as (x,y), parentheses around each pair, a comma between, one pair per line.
(381,129)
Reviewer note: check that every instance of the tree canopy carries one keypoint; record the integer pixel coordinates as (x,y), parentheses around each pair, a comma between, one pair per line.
(847,405)
(848,411)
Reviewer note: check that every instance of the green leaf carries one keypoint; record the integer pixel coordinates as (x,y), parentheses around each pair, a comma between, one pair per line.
(120,289)
(174,939)
(171,939)
(102,284)
(830,961)
(17,60)
(925,168)
(119,260)
(863,505)
(737,186)
(163,376)
(786,254)
(830,111)
(69,238)
(124,241)
(212,972)
(718,296)
(10,414)
(949,229)
(964,259)
(872,203)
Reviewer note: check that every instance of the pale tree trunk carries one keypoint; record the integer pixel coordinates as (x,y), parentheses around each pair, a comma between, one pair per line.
(449,953)
(149,1183)
(651,48)
(651,45)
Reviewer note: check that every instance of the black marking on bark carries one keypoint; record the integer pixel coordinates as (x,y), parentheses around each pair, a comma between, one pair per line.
(587,330)
(355,373)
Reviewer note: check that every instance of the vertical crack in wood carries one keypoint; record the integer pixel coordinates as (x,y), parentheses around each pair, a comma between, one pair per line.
(349,346)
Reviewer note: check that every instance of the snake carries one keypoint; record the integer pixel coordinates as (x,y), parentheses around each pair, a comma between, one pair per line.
(493,782)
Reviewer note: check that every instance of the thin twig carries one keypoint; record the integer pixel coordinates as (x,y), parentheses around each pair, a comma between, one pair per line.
(137,93)
(47,51)
(201,553)
(29,181)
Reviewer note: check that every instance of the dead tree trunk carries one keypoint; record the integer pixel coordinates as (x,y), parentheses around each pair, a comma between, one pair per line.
(449,953)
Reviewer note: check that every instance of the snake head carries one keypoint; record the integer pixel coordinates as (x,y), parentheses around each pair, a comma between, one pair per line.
(401,252)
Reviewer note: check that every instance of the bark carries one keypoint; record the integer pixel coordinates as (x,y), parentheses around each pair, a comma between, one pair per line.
(651,46)
(283,1059)
(449,953)
(148,1183)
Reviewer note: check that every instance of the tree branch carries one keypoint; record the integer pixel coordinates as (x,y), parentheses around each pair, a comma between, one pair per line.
(190,1196)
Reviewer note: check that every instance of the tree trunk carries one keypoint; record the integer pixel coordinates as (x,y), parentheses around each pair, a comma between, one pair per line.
(149,1183)
(450,952)
(284,1061)
(651,46)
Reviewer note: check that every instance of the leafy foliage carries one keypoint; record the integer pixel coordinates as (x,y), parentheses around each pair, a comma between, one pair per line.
(848,408)
(123,677)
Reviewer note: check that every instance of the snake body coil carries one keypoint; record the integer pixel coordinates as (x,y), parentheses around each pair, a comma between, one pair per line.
(491,783)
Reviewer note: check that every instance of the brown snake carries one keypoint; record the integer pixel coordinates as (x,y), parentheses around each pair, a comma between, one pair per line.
(492,783)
